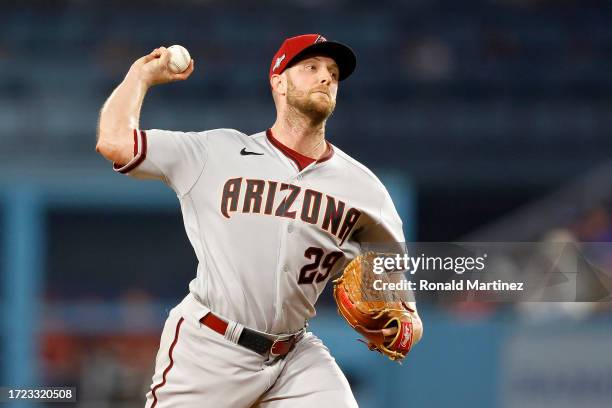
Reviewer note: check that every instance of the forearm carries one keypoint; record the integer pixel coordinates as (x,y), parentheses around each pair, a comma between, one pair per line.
(120,114)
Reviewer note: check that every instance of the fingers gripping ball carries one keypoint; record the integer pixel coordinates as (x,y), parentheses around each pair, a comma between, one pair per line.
(179,59)
(369,311)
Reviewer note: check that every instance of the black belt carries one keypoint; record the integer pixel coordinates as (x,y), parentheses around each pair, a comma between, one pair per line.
(253,340)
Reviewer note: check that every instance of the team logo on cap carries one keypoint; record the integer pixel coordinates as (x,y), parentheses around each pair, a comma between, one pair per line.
(279,60)
(320,39)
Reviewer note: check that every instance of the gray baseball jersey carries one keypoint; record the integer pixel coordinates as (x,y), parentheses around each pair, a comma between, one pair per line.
(269,227)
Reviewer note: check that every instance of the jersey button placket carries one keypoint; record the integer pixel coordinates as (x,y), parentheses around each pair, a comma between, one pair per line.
(283,267)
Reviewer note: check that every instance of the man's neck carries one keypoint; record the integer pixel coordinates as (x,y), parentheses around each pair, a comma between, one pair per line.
(301,134)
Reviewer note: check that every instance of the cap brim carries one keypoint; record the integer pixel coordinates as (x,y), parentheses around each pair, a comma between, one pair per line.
(342,54)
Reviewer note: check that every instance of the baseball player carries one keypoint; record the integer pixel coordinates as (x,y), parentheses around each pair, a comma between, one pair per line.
(271,217)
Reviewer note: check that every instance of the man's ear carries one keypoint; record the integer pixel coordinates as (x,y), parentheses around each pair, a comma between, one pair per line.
(279,83)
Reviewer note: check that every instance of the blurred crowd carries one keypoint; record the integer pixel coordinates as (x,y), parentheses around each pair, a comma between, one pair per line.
(462,87)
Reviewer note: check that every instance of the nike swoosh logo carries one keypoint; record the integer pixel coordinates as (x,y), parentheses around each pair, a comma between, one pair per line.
(244,152)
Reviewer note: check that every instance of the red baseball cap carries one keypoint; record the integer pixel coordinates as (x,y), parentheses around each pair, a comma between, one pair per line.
(294,48)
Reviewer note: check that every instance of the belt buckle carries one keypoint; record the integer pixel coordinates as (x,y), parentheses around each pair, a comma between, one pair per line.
(281,347)
(289,341)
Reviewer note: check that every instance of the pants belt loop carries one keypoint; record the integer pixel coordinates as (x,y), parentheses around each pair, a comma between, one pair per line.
(233,332)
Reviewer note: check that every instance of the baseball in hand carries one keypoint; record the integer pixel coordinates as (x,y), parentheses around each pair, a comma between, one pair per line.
(179,58)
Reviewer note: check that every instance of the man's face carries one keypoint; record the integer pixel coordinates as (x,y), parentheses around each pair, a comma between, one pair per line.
(312,86)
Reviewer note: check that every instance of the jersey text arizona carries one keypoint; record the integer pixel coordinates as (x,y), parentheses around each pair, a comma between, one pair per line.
(258,196)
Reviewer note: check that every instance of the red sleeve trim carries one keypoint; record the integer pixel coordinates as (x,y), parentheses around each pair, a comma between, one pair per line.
(135,142)
(140,153)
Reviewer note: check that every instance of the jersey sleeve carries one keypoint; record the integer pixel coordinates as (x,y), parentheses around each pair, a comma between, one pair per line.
(387,227)
(387,235)
(177,158)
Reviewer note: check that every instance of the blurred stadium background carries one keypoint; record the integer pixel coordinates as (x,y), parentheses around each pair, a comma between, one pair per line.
(487,119)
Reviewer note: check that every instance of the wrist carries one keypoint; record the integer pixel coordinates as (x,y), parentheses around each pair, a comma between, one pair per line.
(136,76)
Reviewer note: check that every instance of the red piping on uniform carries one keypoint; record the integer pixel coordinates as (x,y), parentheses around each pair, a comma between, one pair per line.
(167,370)
(135,142)
(300,160)
(138,159)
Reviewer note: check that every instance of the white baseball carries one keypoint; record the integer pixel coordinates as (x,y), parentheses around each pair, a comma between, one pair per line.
(179,58)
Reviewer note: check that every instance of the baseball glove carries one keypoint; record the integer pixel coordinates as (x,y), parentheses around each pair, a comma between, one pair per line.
(373,312)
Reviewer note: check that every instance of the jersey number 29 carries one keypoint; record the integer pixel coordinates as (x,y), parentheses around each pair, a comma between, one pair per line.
(320,266)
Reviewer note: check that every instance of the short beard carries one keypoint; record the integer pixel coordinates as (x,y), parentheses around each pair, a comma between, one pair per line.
(300,101)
